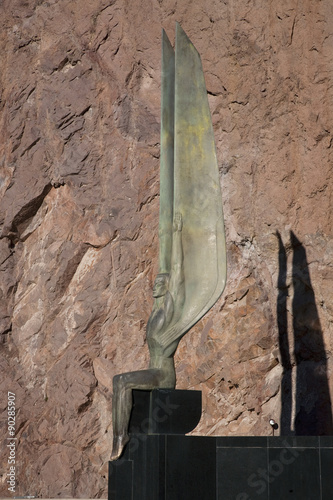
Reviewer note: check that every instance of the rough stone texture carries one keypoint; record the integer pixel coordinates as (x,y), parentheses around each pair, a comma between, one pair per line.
(79,157)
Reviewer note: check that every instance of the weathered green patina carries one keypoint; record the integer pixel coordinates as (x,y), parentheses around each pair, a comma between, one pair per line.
(192,255)
(166,155)
(197,194)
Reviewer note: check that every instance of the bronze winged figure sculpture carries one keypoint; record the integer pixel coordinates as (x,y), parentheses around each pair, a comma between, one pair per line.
(192,254)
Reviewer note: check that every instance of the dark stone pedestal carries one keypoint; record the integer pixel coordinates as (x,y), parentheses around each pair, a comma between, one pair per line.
(161,463)
(165,411)
(274,468)
(153,464)
(164,467)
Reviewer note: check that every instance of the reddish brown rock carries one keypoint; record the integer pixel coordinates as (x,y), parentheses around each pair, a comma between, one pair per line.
(79,161)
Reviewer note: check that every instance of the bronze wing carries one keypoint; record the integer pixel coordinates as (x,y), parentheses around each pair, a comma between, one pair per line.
(196,190)
(167,155)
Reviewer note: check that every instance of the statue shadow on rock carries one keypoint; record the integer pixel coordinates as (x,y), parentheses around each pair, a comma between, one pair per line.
(313,409)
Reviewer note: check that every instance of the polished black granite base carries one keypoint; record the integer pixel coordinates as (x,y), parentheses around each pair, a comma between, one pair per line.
(165,411)
(274,468)
(170,466)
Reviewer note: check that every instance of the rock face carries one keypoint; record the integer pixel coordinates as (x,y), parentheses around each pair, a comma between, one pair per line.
(79,184)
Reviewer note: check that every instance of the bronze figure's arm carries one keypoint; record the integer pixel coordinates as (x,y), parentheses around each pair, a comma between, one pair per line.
(177,278)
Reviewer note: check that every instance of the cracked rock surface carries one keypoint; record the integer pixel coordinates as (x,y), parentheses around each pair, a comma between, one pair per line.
(79,184)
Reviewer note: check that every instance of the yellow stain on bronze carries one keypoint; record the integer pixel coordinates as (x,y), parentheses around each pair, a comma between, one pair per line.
(190,178)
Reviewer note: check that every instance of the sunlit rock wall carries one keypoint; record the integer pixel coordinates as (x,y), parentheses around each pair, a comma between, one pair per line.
(79,184)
